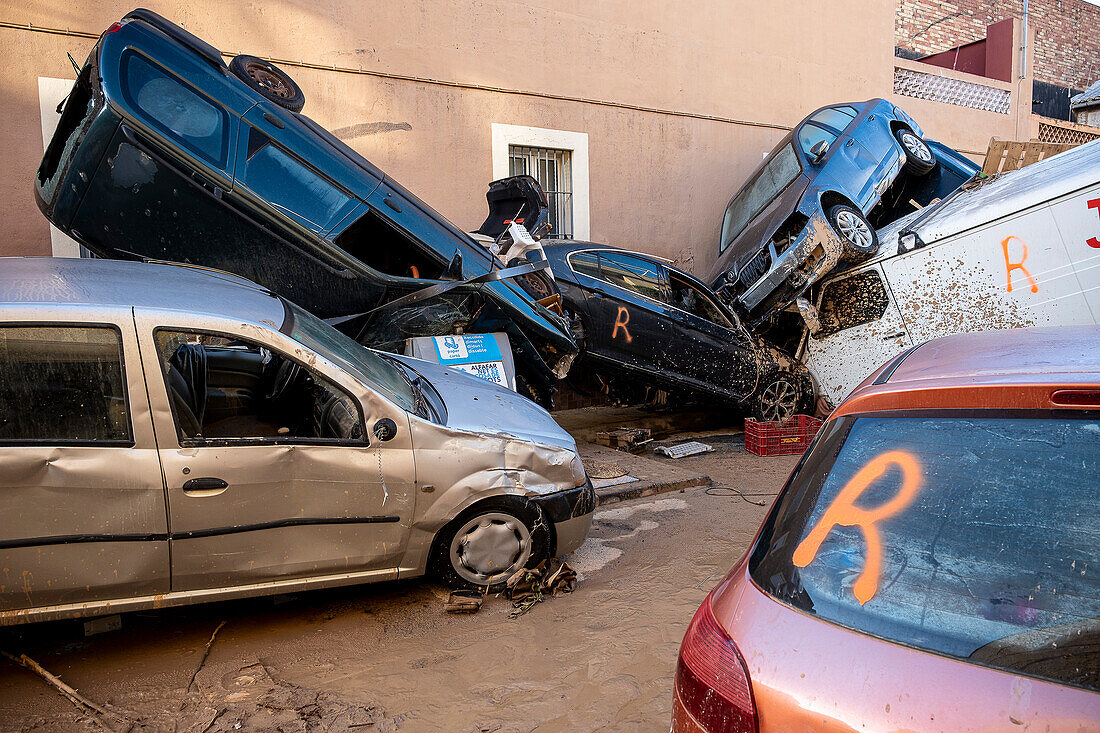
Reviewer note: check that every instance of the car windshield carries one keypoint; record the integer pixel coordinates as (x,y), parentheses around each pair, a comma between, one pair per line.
(359,361)
(780,171)
(971,536)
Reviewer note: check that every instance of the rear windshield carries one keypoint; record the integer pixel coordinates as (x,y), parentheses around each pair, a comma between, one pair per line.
(974,537)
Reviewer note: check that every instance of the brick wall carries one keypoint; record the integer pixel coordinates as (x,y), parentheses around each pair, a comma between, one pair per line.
(1067,33)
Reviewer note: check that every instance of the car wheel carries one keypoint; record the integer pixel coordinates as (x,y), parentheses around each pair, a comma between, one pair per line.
(919,158)
(269,80)
(537,284)
(859,238)
(778,399)
(488,543)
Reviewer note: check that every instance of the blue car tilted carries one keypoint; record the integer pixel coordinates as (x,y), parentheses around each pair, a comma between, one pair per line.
(818,196)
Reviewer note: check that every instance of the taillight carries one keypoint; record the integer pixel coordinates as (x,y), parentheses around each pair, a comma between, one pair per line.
(117,25)
(1076,397)
(711,679)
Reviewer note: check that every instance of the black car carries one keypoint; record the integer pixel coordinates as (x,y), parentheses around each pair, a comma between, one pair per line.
(639,319)
(165,152)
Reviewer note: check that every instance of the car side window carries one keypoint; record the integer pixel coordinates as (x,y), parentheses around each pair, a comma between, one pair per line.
(632,273)
(290,185)
(776,175)
(585,263)
(811,135)
(835,117)
(851,302)
(178,110)
(223,388)
(687,297)
(62,384)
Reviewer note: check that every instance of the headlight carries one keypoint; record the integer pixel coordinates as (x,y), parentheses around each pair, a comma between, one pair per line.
(579,475)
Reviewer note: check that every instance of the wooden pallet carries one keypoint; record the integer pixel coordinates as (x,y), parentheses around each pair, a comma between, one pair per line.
(1006,155)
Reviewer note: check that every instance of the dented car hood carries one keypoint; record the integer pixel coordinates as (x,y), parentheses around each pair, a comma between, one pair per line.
(477,406)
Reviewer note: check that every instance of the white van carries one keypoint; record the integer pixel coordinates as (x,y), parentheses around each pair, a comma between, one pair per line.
(1019,249)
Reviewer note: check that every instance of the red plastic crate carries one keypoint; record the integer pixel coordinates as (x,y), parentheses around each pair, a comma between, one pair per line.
(780,438)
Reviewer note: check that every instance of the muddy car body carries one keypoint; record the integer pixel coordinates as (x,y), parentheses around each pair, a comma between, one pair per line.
(1015,250)
(809,205)
(641,319)
(162,152)
(171,434)
(927,566)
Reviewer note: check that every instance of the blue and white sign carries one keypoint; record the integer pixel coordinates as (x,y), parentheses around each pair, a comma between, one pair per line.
(475,353)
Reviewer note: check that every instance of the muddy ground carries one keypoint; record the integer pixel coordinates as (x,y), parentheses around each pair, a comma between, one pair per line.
(387,658)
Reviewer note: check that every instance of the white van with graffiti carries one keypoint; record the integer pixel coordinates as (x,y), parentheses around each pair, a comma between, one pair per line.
(1018,249)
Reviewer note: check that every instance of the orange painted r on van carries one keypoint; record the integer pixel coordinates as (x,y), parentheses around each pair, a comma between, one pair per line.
(1010,265)
(843,511)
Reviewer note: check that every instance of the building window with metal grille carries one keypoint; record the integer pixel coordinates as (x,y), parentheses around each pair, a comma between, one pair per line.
(554,171)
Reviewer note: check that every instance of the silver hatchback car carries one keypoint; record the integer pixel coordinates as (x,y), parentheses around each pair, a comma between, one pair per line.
(172,434)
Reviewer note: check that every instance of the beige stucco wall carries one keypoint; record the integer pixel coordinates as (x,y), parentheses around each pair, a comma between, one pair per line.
(659,177)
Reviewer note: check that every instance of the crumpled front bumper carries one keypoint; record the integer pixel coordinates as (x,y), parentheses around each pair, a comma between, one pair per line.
(813,253)
(570,514)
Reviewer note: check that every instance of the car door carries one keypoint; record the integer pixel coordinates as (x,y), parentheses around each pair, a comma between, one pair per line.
(625,305)
(82,507)
(709,349)
(256,498)
(862,329)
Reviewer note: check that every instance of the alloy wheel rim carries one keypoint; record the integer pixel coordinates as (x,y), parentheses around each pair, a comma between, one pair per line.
(916,146)
(490,547)
(854,229)
(778,401)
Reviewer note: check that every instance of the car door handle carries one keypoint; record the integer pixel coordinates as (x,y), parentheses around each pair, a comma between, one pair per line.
(208,486)
(393,205)
(272,119)
(849,144)
(596,294)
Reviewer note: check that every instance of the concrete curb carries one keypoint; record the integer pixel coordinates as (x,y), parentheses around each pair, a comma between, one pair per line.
(640,489)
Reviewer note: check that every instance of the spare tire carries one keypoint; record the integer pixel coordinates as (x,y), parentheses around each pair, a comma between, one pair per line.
(269,80)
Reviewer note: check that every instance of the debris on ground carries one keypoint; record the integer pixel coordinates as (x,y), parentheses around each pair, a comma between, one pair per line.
(533,585)
(625,439)
(690,448)
(96,713)
(604,475)
(465,601)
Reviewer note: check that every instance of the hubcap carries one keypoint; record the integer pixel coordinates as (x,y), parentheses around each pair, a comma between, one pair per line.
(269,81)
(490,547)
(779,400)
(916,146)
(854,229)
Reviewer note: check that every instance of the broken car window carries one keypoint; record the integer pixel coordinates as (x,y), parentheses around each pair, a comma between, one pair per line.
(972,536)
(177,109)
(62,384)
(687,297)
(632,273)
(779,173)
(226,388)
(851,302)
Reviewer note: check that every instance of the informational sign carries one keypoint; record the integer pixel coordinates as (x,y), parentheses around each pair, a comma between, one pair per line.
(475,353)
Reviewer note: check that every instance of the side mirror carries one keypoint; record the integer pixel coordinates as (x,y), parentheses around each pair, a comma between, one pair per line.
(818,151)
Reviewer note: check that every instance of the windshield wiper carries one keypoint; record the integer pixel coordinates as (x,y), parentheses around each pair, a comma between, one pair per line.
(420,405)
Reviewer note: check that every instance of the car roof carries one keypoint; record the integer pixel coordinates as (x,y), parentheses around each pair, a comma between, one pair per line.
(1009,368)
(96,282)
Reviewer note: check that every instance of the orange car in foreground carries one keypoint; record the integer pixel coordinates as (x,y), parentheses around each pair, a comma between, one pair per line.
(933,563)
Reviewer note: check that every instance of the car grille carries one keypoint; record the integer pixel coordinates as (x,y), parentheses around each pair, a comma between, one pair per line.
(755,268)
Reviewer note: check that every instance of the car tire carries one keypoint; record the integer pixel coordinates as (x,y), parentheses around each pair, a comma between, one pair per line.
(504,531)
(858,238)
(537,284)
(269,80)
(779,398)
(919,159)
